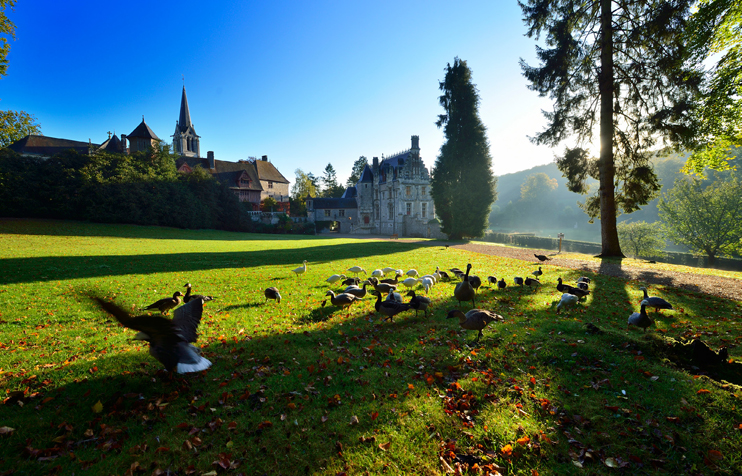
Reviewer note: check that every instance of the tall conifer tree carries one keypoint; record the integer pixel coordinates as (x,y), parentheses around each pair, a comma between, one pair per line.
(463,185)
(622,68)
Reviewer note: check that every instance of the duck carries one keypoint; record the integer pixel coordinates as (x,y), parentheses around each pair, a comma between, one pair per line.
(475,319)
(538,272)
(567,300)
(518,280)
(391,281)
(188,296)
(418,303)
(389,308)
(341,300)
(165,304)
(656,302)
(169,340)
(301,269)
(464,291)
(641,318)
(412,273)
(501,283)
(272,293)
(531,282)
(356,291)
(351,282)
(357,270)
(410,282)
(335,278)
(542,257)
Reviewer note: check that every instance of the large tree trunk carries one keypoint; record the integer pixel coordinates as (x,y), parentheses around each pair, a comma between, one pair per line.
(608,230)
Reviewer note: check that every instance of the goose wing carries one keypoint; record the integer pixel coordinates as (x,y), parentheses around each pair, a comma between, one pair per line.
(187,318)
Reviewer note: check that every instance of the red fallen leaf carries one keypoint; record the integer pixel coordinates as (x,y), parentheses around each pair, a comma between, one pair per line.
(703,390)
(374,415)
(162,449)
(715,455)
(183,426)
(611,408)
(265,424)
(232,425)
(47,400)
(385,446)
(533,381)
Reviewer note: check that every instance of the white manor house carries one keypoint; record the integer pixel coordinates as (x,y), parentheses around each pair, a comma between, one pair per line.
(392,197)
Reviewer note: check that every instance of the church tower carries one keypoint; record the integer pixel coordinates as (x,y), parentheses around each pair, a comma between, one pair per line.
(185,139)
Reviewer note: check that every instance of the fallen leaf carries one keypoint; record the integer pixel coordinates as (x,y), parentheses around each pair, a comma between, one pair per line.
(98,407)
(374,415)
(385,446)
(6,430)
(611,463)
(523,441)
(715,455)
(354,420)
(703,390)
(507,450)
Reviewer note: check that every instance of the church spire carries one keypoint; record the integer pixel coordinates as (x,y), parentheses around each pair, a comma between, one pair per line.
(184,121)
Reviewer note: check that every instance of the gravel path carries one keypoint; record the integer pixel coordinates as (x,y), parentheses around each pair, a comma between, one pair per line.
(727,288)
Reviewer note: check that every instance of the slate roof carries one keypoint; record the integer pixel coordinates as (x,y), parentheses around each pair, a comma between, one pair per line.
(367,175)
(45,146)
(267,171)
(112,145)
(231,179)
(334,203)
(350,192)
(143,131)
(396,160)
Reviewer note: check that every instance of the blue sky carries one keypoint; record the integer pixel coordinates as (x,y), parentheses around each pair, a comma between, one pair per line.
(306,83)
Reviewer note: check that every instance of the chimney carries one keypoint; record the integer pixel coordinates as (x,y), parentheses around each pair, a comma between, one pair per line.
(416,143)
(124,147)
(210,158)
(265,158)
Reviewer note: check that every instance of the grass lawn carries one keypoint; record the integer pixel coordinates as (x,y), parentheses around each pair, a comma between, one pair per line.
(297,388)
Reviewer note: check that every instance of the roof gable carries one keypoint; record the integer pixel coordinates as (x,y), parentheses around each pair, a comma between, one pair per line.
(267,171)
(143,131)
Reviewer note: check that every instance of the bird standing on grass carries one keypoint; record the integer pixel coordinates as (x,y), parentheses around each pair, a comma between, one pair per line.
(532,282)
(169,340)
(518,280)
(301,269)
(389,307)
(501,283)
(538,272)
(419,303)
(656,302)
(356,270)
(342,300)
(464,291)
(567,300)
(335,278)
(188,296)
(272,293)
(164,305)
(641,318)
(475,320)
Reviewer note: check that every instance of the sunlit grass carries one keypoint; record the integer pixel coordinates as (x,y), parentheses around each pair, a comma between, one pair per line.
(289,378)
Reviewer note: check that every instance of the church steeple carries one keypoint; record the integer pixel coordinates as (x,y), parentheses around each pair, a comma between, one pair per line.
(185,140)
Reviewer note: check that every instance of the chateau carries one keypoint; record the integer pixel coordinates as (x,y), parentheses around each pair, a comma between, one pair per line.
(392,197)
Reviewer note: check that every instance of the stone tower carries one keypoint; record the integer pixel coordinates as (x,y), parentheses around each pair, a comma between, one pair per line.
(185,140)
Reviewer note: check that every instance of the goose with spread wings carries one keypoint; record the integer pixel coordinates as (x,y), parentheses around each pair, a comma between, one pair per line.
(169,340)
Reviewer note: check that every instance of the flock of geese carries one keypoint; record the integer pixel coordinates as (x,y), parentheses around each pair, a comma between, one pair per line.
(170,340)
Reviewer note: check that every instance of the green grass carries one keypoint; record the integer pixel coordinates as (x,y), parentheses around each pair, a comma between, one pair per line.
(537,393)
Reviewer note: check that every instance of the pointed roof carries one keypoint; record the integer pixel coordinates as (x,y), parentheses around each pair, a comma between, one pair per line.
(184,120)
(367,175)
(143,131)
(113,144)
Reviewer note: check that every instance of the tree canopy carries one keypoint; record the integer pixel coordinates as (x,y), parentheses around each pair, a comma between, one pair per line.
(537,186)
(641,238)
(462,184)
(7,31)
(355,173)
(15,125)
(621,68)
(330,186)
(303,186)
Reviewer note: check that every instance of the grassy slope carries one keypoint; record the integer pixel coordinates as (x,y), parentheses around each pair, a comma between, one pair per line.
(537,393)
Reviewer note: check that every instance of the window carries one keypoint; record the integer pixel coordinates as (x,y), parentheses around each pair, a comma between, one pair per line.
(341,213)
(327,213)
(409,209)
(365,219)
(423,192)
(425,209)
(408,191)
(270,184)
(391,211)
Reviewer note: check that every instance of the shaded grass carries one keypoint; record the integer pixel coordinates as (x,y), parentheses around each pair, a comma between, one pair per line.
(288,378)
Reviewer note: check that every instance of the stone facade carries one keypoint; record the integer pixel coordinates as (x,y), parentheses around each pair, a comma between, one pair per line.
(392,197)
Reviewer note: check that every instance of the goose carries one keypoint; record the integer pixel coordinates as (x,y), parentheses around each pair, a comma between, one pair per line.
(301,269)
(389,270)
(567,300)
(444,276)
(377,273)
(410,282)
(641,319)
(456,271)
(356,291)
(188,296)
(412,273)
(542,257)
(351,282)
(518,280)
(356,270)
(583,285)
(383,288)
(389,308)
(394,296)
(272,293)
(464,291)
(169,340)
(583,279)
(432,277)
(426,283)
(342,300)
(566,288)
(492,280)
(475,320)
(164,305)
(538,272)
(335,278)
(475,281)
(501,283)
(418,303)
(656,302)
(531,282)
(392,281)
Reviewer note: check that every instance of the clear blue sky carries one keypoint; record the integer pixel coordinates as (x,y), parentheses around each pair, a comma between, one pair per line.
(306,83)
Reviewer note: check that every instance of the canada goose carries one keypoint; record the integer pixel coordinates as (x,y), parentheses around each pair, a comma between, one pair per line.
(335,278)
(301,269)
(518,280)
(360,293)
(383,288)
(542,257)
(475,320)
(566,288)
(538,272)
(188,296)
(583,279)
(356,270)
(567,300)
(583,285)
(169,340)
(351,282)
(492,280)
(656,302)
(342,300)
(164,305)
(501,283)
(389,308)
(444,275)
(532,282)
(272,293)
(419,303)
(475,281)
(641,319)
(391,281)
(464,291)
(456,271)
